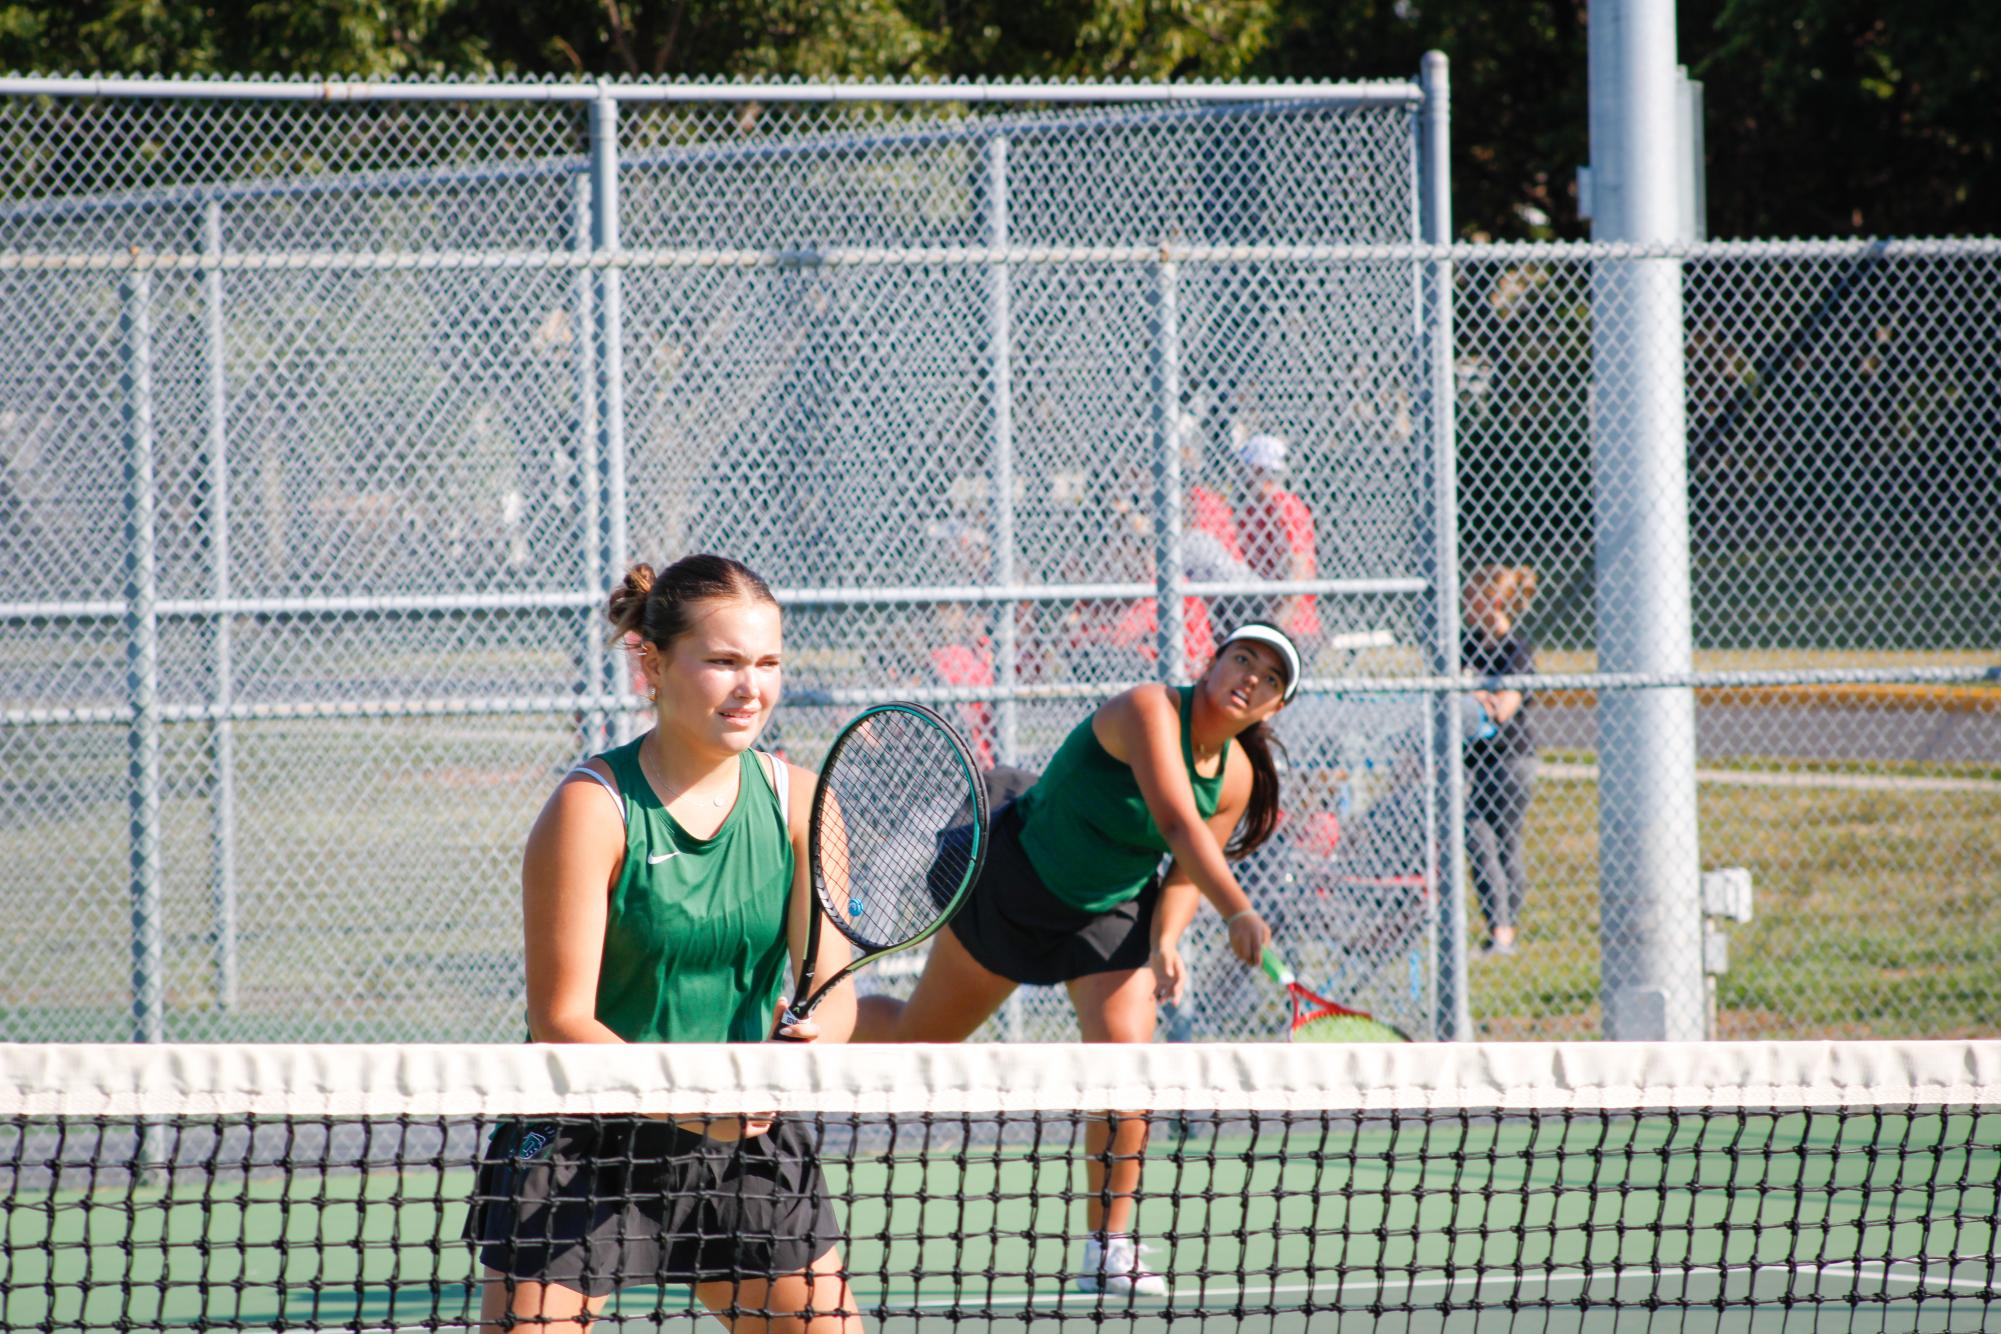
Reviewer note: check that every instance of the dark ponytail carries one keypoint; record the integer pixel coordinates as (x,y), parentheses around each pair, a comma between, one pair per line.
(660,607)
(1261,816)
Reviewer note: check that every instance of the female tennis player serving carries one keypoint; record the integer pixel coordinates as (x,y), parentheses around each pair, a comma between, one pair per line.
(1072,892)
(664,891)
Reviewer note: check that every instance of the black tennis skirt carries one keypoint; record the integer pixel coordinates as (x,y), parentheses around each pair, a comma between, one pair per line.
(1013,926)
(593,1205)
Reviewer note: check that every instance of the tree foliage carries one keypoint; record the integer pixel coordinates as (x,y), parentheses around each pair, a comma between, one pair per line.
(1824,116)
(1834,116)
(349,38)
(1518,92)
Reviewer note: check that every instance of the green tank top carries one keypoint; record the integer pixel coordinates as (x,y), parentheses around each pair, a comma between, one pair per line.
(1085,826)
(695,942)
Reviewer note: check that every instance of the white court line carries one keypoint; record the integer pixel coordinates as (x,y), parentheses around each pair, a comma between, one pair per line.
(1030,1301)
(1760,778)
(1901,1272)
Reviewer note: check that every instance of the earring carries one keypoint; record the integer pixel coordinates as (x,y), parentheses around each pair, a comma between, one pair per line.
(653,694)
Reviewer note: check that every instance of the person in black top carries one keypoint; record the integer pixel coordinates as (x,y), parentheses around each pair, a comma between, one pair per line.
(1500,767)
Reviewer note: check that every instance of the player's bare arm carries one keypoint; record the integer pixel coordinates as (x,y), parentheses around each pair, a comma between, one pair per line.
(574,854)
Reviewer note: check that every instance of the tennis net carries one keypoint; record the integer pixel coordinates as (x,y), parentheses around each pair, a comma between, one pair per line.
(1420,1187)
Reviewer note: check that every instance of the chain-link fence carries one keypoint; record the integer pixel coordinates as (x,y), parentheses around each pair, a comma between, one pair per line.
(323,426)
(1841,419)
(326,426)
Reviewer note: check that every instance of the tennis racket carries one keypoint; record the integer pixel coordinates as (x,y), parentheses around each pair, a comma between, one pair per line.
(899,833)
(1317,1019)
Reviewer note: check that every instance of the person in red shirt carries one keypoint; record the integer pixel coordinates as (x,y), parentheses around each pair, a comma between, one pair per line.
(1138,632)
(1209,519)
(1122,640)
(1277,534)
(1211,549)
(966,659)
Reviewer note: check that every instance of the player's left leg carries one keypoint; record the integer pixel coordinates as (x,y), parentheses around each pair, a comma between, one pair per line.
(1517,790)
(1115,1007)
(955,994)
(816,1301)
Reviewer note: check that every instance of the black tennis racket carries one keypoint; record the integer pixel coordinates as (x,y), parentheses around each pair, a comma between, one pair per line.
(898,836)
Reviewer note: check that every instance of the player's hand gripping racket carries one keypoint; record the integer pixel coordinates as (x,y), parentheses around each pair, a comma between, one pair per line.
(1317,1019)
(898,836)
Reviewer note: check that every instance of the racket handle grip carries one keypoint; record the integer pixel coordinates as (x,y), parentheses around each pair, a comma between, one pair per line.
(1275,968)
(793,1015)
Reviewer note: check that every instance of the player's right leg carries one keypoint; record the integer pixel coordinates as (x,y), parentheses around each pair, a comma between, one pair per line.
(523,1306)
(1483,859)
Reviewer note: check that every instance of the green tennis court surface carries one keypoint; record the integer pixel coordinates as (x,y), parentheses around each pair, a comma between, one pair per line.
(1445,1222)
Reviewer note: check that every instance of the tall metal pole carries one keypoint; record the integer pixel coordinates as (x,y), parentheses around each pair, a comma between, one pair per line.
(1649,858)
(1164,385)
(1452,1017)
(1000,351)
(142,662)
(611,358)
(592,670)
(222,689)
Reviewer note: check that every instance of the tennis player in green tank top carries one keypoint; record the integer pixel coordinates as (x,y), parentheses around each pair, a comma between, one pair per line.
(1072,893)
(665,891)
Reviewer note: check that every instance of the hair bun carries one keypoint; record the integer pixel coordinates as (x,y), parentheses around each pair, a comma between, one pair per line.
(628,600)
(657,606)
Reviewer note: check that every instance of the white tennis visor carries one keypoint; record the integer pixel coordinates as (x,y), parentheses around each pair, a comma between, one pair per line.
(1260,633)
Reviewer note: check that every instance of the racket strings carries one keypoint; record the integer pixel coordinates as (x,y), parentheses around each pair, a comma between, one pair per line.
(898,838)
(1317,1019)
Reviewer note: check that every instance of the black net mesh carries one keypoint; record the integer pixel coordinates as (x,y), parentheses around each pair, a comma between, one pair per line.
(934,1189)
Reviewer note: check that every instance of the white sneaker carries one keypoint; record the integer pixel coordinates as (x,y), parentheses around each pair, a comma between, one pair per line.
(1112,1265)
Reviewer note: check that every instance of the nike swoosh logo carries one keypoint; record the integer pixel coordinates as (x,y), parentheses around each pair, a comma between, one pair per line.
(655,858)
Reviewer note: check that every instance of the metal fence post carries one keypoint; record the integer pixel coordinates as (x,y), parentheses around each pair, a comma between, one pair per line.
(611,368)
(1000,341)
(1164,383)
(592,670)
(1649,859)
(1000,352)
(222,689)
(142,660)
(1452,1017)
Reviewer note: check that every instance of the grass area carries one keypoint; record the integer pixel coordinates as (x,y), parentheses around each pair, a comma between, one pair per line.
(1877,914)
(1789,659)
(1806,768)
(1404,660)
(377,886)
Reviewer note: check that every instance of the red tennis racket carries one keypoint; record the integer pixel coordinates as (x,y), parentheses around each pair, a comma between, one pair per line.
(1317,1019)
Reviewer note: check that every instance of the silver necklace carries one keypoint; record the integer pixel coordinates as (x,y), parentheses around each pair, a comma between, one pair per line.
(651,768)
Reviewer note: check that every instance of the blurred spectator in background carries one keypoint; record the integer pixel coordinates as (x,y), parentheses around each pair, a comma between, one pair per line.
(1211,548)
(960,652)
(1118,641)
(1276,529)
(965,659)
(1212,551)
(1500,766)
(1138,633)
